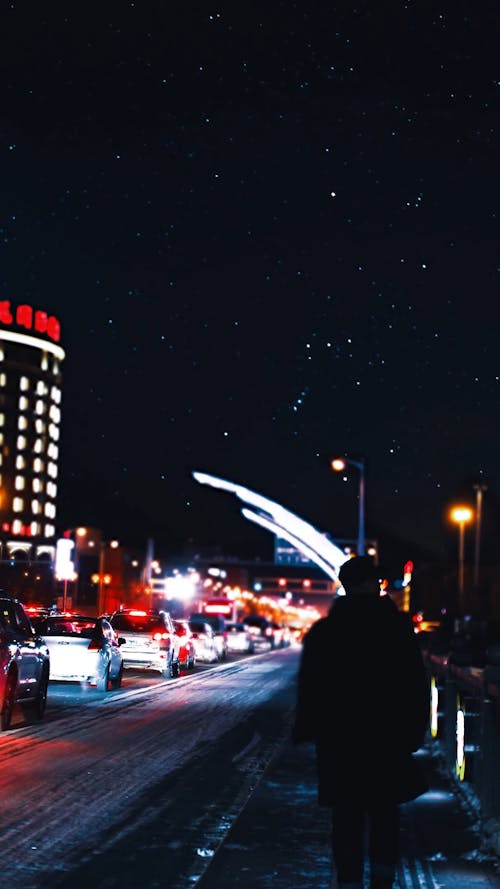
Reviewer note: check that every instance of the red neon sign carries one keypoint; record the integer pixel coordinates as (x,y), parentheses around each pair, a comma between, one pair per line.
(31,319)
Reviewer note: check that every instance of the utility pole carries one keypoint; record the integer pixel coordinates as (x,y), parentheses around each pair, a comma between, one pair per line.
(479,488)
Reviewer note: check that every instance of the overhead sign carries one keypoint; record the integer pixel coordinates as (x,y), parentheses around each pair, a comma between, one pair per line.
(64,566)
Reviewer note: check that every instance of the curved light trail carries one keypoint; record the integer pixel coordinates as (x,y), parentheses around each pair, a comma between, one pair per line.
(283,523)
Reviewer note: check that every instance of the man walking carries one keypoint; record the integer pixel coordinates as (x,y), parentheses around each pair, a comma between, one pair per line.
(363,699)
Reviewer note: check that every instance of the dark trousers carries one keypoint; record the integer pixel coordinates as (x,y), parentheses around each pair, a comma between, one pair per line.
(372,832)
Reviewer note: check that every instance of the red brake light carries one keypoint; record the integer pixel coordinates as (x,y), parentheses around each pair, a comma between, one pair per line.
(157,636)
(136,613)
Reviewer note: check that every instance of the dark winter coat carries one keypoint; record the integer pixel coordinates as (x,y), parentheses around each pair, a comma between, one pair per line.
(363,698)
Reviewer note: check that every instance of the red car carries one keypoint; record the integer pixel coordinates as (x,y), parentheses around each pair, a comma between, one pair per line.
(187,651)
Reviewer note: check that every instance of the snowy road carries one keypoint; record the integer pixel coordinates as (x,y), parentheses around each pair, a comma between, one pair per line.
(164,766)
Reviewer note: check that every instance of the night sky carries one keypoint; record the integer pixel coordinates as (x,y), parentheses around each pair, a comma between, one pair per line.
(270,233)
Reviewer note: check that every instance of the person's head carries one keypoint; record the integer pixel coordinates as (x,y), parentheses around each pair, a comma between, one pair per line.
(360,575)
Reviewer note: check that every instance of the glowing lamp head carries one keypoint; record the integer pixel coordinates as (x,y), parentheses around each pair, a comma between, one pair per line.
(461,514)
(338,464)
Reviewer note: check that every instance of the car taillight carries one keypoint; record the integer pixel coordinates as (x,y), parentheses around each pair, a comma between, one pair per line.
(158,636)
(269,631)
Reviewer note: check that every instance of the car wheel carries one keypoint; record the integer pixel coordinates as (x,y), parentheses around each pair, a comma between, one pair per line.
(168,672)
(117,681)
(176,669)
(102,683)
(40,703)
(9,700)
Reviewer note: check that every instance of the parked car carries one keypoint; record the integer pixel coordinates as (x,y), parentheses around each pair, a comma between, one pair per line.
(282,638)
(239,638)
(204,640)
(24,664)
(151,642)
(83,649)
(187,651)
(218,625)
(261,630)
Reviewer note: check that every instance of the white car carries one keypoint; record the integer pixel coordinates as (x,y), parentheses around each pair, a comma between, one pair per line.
(83,649)
(150,641)
(239,638)
(204,641)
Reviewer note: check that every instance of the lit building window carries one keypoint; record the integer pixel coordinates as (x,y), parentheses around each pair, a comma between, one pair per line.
(24,384)
(3,379)
(22,423)
(2,353)
(49,531)
(19,482)
(21,442)
(1,458)
(41,388)
(52,470)
(54,432)
(55,413)
(53,451)
(23,403)
(38,446)
(38,465)
(35,528)
(2,419)
(17,526)
(55,366)
(39,427)
(37,485)
(20,462)
(50,510)
(55,394)
(39,406)
(35,507)
(45,361)
(1,438)
(18,504)
(52,490)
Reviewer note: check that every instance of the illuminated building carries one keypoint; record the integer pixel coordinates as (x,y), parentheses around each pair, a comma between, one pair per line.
(30,419)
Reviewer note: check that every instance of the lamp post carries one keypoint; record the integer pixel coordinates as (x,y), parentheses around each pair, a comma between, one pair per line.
(339,464)
(479,488)
(461,515)
(104,578)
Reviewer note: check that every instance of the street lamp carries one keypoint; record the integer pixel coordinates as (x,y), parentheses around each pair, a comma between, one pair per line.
(339,464)
(461,515)
(104,577)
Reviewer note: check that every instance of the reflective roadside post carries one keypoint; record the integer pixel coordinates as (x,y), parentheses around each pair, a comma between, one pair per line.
(338,465)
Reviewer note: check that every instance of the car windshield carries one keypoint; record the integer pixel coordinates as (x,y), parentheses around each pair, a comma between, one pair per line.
(180,629)
(217,623)
(199,627)
(64,626)
(137,623)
